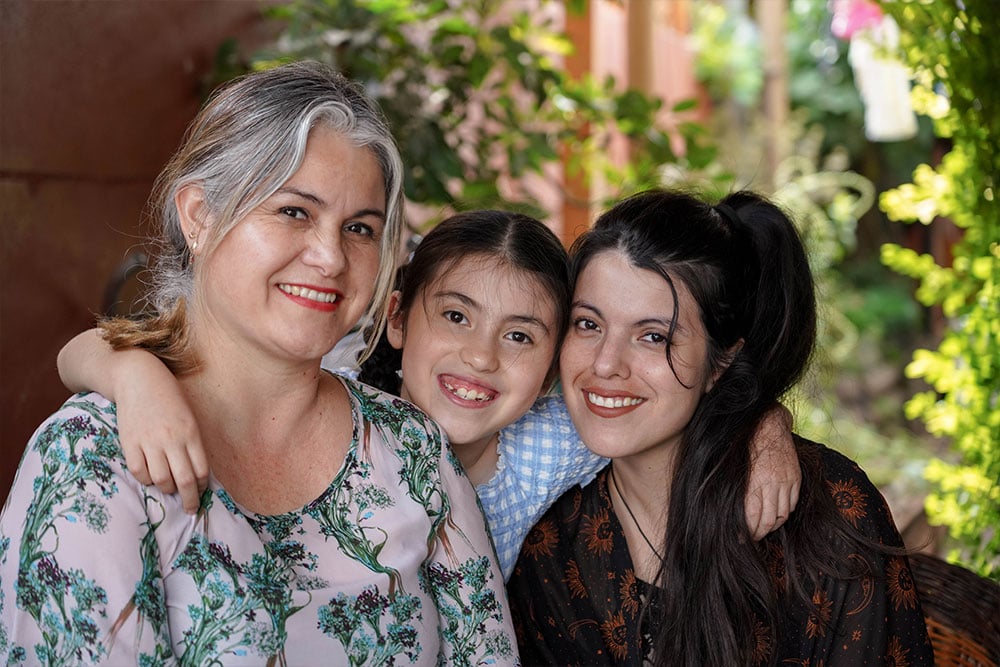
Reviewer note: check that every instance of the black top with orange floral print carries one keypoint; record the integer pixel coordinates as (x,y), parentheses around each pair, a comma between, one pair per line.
(576,601)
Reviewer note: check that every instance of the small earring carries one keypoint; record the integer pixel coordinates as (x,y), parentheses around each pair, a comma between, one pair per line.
(194,241)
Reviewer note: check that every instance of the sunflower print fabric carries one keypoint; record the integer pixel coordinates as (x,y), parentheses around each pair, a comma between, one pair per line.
(576,600)
(391,565)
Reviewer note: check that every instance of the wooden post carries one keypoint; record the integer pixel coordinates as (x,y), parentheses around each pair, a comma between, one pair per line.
(576,200)
(771,17)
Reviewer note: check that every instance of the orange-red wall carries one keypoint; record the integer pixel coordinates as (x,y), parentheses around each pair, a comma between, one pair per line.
(94,96)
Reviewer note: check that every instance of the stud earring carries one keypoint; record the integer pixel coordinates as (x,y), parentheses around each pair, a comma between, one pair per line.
(194,241)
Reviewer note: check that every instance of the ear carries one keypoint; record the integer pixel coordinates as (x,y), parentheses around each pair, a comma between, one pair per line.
(724,364)
(190,204)
(395,322)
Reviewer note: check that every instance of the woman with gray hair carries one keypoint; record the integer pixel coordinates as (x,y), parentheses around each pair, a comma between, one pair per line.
(337,527)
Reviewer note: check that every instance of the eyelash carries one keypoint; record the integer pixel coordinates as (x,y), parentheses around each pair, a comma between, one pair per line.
(365,230)
(296,212)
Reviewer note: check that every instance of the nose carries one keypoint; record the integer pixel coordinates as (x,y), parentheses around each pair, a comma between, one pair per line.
(480,353)
(325,251)
(610,358)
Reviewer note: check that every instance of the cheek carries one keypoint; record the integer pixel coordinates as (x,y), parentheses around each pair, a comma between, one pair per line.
(533,368)
(364,265)
(569,362)
(574,353)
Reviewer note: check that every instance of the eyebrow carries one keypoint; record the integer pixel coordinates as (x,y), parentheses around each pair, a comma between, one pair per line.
(361,213)
(472,303)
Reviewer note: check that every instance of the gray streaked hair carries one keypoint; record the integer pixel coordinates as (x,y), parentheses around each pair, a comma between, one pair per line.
(247,140)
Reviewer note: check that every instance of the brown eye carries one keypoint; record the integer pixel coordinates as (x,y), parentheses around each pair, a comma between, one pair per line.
(654,337)
(455,317)
(519,337)
(293,212)
(360,228)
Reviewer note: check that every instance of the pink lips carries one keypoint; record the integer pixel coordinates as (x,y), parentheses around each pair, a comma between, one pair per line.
(466,393)
(630,403)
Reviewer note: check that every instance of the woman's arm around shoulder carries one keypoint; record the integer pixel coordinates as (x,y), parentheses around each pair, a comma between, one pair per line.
(80,579)
(158,431)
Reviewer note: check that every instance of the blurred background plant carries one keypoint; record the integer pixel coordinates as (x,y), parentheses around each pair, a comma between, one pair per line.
(853,398)
(477,98)
(951,47)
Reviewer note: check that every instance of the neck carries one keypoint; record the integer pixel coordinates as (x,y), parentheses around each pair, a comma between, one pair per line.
(640,496)
(274,442)
(646,482)
(479,458)
(242,397)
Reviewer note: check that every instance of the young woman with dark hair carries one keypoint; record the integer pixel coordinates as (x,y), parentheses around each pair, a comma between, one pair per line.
(653,561)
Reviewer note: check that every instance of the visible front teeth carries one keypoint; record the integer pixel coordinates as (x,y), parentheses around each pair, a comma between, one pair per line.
(606,402)
(468,394)
(311,294)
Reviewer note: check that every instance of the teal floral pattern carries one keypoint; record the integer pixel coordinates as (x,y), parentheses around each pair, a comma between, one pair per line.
(391,565)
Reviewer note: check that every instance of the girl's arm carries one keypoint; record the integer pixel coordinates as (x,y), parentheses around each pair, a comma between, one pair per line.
(775,477)
(156,427)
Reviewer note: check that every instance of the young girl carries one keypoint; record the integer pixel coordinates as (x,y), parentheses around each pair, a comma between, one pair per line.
(479,316)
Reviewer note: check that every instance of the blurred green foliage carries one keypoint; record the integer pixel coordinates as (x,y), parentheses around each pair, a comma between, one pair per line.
(475,93)
(952,49)
(852,398)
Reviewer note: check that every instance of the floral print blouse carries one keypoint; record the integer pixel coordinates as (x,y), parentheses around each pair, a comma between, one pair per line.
(576,599)
(392,564)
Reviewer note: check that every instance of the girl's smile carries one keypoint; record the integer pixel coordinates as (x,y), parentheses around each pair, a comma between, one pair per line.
(467,393)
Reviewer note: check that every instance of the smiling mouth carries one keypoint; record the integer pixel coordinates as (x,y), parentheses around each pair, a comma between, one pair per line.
(467,394)
(612,401)
(309,293)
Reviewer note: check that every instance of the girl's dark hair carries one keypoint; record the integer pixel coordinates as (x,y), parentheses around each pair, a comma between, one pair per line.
(745,266)
(519,241)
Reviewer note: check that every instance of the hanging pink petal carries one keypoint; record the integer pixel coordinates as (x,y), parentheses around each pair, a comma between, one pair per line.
(850,16)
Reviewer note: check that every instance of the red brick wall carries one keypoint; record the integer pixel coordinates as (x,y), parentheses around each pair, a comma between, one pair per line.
(94,96)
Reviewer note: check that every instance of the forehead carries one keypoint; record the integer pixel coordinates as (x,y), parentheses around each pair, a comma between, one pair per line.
(492,280)
(611,283)
(329,147)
